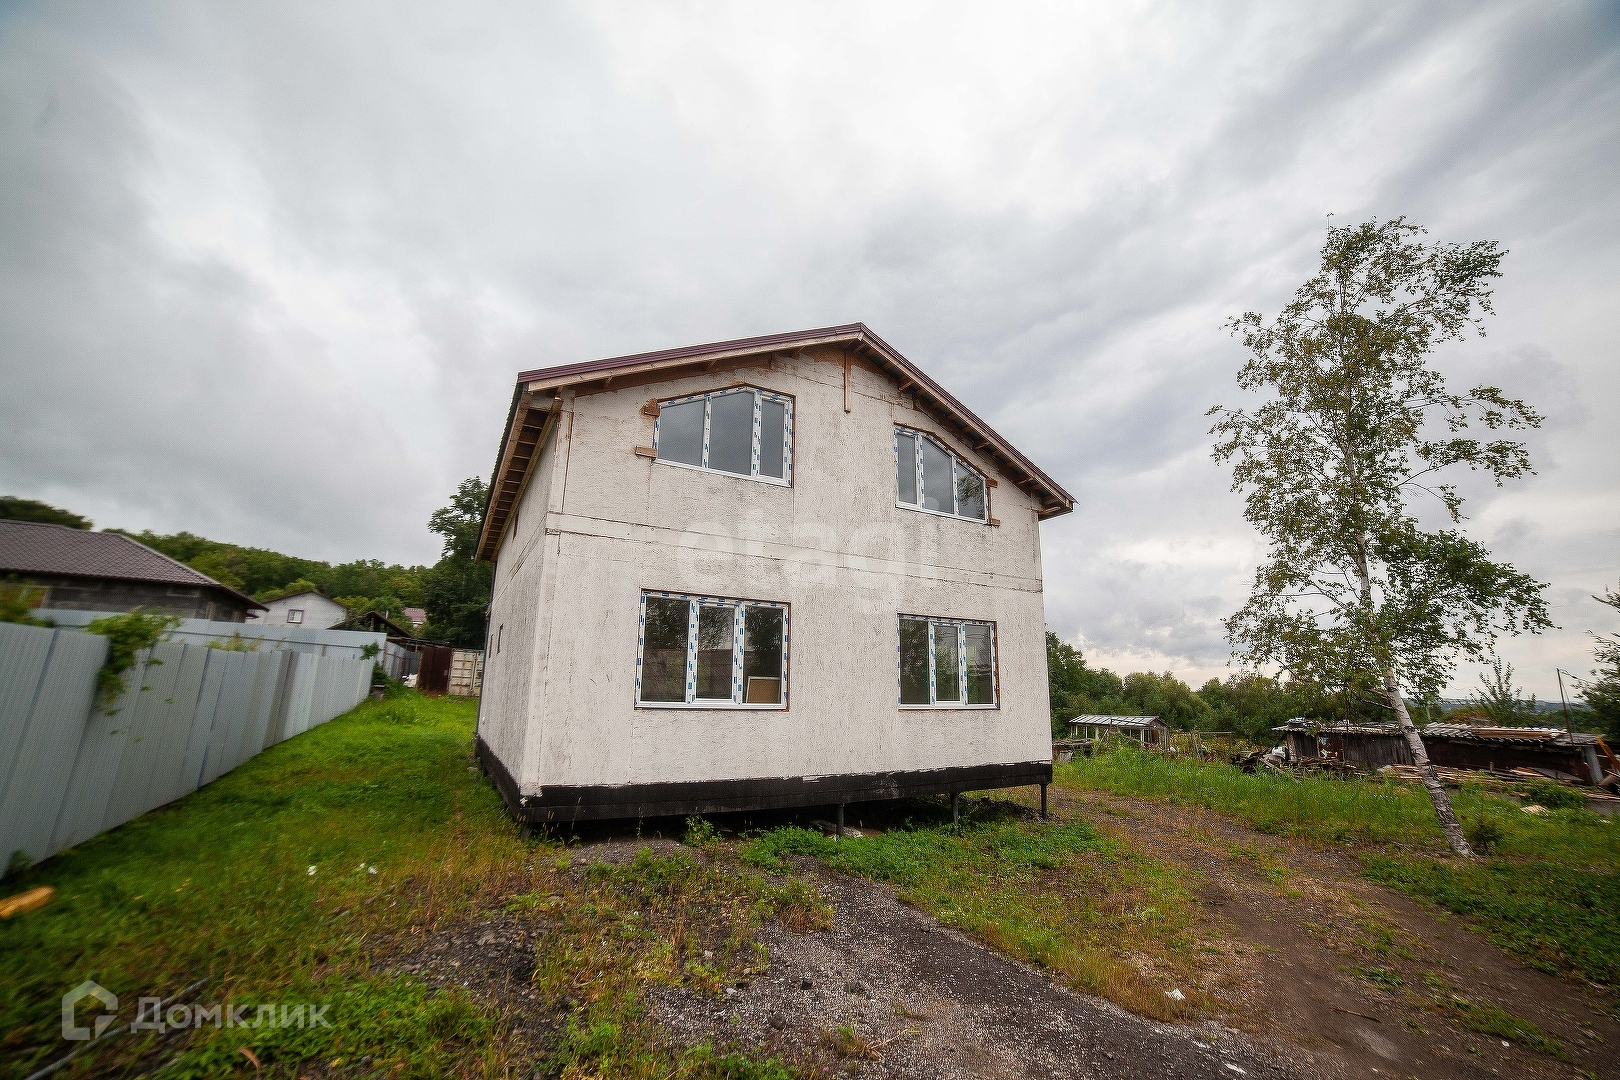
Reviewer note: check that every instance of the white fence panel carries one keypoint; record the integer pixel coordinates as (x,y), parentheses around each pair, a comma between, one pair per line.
(187,715)
(46,703)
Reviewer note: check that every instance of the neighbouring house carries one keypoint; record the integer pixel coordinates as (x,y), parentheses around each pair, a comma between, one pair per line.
(308,609)
(417,615)
(1147,730)
(80,570)
(1553,752)
(782,571)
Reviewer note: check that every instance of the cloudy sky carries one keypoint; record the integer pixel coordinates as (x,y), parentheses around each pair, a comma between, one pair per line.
(267,270)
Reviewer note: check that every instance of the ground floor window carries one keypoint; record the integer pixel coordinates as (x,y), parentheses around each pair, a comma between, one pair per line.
(947,662)
(711,652)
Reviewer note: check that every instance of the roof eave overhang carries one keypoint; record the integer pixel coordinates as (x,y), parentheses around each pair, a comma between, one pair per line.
(537,390)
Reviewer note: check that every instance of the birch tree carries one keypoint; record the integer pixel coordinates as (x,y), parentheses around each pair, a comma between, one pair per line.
(1355,431)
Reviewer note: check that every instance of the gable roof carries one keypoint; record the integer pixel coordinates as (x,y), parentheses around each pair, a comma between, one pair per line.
(1091,720)
(29,547)
(535,405)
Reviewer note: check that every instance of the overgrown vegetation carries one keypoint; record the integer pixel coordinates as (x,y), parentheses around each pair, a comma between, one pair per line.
(262,883)
(18,601)
(126,635)
(1109,920)
(1547,894)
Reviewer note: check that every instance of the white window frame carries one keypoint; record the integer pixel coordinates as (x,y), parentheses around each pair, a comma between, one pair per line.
(694,603)
(754,473)
(960,625)
(299,621)
(957,466)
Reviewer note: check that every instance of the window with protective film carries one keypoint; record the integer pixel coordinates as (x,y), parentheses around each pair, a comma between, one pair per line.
(930,478)
(947,663)
(711,652)
(740,430)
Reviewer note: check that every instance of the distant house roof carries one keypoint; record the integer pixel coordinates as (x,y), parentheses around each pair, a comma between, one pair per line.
(534,404)
(29,547)
(1117,721)
(417,615)
(306,592)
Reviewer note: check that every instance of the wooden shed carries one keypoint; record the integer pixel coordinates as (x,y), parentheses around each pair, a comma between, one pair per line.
(1369,745)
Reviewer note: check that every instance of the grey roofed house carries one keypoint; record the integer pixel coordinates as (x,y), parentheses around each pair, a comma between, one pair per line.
(104,571)
(1147,730)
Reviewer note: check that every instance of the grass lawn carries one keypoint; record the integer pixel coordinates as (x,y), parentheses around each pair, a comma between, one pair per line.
(1547,892)
(289,879)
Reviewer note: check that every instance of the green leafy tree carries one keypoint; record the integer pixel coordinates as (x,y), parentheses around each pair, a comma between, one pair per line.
(456,590)
(1166,697)
(1602,694)
(1355,592)
(1499,699)
(13,508)
(1076,689)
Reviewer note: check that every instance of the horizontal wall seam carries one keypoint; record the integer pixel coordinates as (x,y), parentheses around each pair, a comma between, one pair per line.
(776,551)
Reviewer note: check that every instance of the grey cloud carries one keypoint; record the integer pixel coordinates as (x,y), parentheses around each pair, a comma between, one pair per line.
(266,273)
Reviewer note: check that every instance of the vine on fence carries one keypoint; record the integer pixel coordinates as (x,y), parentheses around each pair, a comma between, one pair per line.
(126,635)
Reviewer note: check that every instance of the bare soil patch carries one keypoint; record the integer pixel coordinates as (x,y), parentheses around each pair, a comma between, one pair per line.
(1354,974)
(917,1000)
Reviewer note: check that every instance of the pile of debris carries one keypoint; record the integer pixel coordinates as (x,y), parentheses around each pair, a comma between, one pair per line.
(1502,781)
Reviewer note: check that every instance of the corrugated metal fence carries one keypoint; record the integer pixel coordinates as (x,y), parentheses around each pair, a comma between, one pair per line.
(187,715)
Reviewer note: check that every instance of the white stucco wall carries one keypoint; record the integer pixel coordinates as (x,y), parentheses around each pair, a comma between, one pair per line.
(597,525)
(319,612)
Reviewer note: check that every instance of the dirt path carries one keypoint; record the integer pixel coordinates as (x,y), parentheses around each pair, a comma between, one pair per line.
(933,1003)
(1347,970)
(1326,975)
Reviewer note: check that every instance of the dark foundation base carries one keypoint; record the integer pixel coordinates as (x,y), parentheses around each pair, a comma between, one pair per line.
(607,802)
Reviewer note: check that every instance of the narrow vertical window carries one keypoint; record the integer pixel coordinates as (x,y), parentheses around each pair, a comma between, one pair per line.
(742,431)
(914,662)
(906,466)
(979,664)
(716,634)
(947,662)
(663,648)
(711,652)
(938,483)
(930,478)
(772,437)
(763,653)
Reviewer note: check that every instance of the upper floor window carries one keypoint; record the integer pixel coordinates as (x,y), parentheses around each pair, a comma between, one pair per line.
(934,480)
(295,616)
(742,431)
(947,663)
(711,652)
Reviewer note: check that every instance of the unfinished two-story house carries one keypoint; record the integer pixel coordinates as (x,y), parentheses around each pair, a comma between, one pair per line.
(784,571)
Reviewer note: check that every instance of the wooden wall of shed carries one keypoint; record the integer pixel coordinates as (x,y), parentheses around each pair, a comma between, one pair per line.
(1376,751)
(1467,755)
(1301,744)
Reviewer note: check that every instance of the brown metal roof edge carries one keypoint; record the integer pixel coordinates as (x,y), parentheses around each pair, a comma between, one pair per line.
(853,332)
(859,333)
